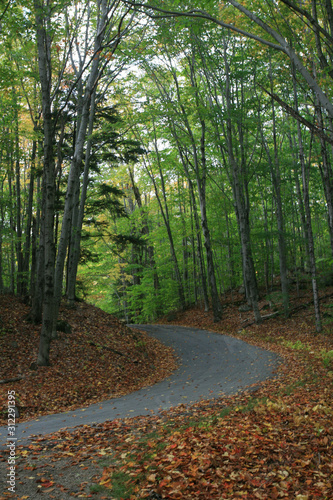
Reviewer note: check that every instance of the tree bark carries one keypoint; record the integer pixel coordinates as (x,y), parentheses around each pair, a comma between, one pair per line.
(199,248)
(276,181)
(165,214)
(26,251)
(74,254)
(37,280)
(242,212)
(42,17)
(309,234)
(19,254)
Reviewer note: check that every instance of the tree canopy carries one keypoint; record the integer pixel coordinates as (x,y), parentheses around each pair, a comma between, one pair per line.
(157,154)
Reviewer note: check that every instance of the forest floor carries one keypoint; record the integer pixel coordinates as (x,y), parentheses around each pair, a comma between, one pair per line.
(100,358)
(271,444)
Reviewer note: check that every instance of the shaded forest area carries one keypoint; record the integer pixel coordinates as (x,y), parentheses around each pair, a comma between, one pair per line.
(155,158)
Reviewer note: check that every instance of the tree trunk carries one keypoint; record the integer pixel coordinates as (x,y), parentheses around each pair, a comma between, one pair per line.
(37,278)
(74,173)
(12,263)
(145,232)
(268,245)
(19,254)
(242,214)
(45,72)
(77,226)
(310,242)
(201,184)
(26,251)
(199,248)
(276,181)
(302,229)
(276,178)
(165,214)
(216,305)
(199,167)
(327,177)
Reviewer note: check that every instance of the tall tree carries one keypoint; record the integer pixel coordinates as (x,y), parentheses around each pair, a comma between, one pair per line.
(103,31)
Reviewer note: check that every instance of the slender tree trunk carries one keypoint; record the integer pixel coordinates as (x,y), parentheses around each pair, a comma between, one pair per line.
(37,271)
(216,305)
(276,178)
(12,265)
(201,185)
(268,245)
(42,16)
(310,241)
(145,232)
(194,256)
(19,254)
(77,226)
(26,251)
(200,169)
(293,141)
(276,181)
(165,214)
(199,248)
(250,281)
(198,164)
(327,177)
(231,266)
(185,239)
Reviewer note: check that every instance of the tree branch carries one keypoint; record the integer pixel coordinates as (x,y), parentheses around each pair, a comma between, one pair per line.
(200,14)
(312,21)
(292,112)
(4,12)
(7,380)
(282,44)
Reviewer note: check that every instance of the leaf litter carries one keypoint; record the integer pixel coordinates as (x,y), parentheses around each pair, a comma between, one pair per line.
(271,443)
(100,359)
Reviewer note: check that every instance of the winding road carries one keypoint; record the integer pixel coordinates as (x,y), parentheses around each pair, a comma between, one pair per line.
(211,365)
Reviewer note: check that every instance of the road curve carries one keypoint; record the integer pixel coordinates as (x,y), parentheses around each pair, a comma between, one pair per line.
(210,365)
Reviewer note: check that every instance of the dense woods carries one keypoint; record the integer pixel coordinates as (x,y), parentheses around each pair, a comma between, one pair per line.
(156,157)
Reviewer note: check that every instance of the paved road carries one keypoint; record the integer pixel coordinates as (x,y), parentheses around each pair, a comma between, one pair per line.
(210,365)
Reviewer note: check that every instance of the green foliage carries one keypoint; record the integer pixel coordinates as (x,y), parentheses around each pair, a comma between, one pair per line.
(159,137)
(327,358)
(298,345)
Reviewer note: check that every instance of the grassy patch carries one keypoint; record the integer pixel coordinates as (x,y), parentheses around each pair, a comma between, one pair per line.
(298,345)
(327,358)
(118,486)
(121,485)
(98,488)
(251,404)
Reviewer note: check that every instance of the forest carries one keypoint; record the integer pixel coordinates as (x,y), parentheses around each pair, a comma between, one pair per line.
(156,155)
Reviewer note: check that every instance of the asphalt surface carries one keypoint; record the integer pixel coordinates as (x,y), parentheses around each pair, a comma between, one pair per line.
(210,365)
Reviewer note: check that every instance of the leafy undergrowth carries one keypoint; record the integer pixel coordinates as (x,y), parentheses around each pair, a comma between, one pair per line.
(101,358)
(274,443)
